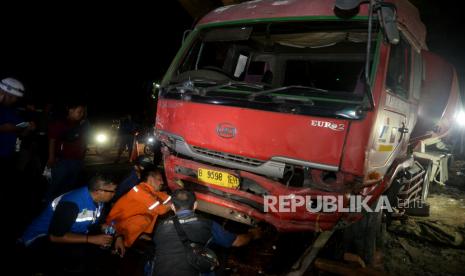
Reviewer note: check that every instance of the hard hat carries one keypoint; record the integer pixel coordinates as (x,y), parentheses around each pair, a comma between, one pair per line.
(12,86)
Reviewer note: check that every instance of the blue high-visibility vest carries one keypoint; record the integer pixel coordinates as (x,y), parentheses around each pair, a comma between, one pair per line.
(89,212)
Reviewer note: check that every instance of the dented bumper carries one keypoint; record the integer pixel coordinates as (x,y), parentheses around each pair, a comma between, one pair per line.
(246,203)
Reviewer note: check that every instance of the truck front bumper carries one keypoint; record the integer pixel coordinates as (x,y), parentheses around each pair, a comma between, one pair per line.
(246,203)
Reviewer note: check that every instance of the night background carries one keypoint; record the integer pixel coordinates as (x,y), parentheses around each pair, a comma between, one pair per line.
(107,55)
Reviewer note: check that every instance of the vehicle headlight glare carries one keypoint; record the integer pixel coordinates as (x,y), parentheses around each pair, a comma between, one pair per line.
(460,118)
(101,138)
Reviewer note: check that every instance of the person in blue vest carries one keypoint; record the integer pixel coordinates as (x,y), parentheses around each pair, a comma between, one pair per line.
(67,227)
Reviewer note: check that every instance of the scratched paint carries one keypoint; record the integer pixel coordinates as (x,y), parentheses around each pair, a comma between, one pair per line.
(280,3)
(222,9)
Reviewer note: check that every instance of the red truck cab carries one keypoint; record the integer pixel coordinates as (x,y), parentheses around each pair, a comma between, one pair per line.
(271,98)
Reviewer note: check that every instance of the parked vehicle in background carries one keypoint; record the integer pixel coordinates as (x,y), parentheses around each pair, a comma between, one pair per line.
(286,98)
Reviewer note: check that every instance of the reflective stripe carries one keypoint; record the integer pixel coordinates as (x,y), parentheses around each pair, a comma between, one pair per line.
(98,212)
(166,201)
(135,189)
(27,243)
(86,215)
(84,219)
(154,205)
(56,201)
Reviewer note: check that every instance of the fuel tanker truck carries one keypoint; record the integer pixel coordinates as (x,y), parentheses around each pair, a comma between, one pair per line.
(268,101)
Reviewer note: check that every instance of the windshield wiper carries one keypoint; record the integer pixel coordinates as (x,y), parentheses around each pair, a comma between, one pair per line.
(189,86)
(279,89)
(232,83)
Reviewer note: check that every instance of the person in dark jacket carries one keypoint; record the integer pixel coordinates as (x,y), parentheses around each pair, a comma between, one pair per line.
(67,149)
(142,163)
(170,255)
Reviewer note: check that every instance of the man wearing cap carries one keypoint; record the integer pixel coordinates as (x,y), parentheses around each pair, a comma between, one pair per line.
(10,124)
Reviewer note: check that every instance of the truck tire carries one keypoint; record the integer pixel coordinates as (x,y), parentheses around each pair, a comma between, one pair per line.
(365,236)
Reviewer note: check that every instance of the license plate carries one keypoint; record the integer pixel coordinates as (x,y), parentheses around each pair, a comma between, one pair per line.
(218,178)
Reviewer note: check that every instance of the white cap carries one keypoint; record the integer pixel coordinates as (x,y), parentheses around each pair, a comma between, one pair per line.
(12,86)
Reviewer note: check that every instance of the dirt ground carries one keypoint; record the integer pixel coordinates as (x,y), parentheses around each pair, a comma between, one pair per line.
(433,245)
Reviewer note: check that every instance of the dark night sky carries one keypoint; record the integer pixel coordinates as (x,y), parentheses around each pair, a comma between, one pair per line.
(103,54)
(108,53)
(445,32)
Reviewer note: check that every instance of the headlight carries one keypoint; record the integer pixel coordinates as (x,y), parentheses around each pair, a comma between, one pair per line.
(101,138)
(150,140)
(460,118)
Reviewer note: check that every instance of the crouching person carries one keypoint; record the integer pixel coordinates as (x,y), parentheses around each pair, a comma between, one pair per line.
(134,216)
(67,228)
(170,253)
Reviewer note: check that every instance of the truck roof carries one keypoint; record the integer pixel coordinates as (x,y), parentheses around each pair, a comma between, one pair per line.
(408,16)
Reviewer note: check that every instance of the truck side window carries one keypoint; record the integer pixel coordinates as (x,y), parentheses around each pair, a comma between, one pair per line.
(398,75)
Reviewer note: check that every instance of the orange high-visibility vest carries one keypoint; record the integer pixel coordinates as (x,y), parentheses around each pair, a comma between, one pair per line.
(136,212)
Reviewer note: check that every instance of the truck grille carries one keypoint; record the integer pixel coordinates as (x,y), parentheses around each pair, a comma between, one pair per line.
(229,157)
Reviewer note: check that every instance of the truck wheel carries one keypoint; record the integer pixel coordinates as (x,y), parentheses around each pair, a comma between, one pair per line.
(365,236)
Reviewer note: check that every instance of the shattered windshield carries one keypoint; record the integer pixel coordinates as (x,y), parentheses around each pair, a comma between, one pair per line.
(303,62)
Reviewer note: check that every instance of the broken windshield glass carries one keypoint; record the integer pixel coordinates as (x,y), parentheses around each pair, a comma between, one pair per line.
(286,61)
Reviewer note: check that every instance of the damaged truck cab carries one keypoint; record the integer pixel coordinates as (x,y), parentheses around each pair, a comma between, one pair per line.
(286,98)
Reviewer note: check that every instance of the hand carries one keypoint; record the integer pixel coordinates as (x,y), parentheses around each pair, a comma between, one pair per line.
(119,246)
(102,240)
(103,228)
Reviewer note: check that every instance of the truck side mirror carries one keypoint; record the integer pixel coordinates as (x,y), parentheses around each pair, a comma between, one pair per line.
(388,21)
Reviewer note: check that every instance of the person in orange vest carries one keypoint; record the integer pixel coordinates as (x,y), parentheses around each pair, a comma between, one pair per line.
(135,213)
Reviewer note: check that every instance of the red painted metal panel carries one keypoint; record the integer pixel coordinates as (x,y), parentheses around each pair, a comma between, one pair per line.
(408,15)
(358,137)
(259,134)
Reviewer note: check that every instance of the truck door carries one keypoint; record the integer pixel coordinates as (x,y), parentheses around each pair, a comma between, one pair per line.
(395,119)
